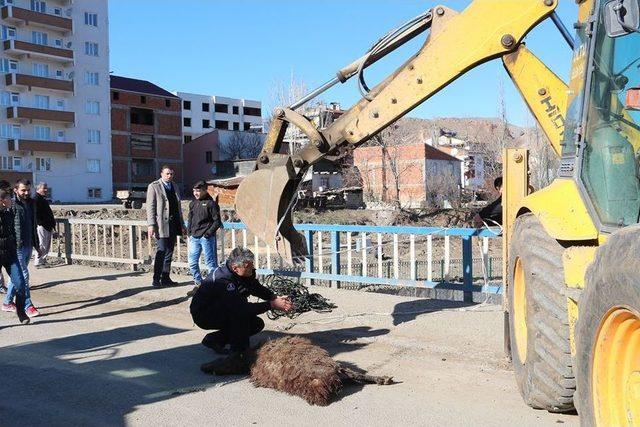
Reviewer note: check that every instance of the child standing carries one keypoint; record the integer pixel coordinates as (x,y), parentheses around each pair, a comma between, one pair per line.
(204,221)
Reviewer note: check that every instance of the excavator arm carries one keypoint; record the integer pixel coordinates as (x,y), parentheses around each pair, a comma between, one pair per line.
(457,42)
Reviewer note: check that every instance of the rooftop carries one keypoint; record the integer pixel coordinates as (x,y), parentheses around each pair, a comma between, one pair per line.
(140,86)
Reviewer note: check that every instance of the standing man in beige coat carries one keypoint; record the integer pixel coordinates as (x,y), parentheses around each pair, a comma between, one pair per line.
(165,223)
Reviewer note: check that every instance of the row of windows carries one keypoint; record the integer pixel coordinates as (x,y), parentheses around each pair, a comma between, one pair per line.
(220,124)
(115,95)
(42,164)
(12,99)
(44,133)
(42,38)
(90,19)
(224,108)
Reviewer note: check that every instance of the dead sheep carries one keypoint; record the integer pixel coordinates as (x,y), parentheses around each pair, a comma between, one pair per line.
(295,366)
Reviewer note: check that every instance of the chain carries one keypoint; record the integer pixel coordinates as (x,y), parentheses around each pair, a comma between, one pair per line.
(302,300)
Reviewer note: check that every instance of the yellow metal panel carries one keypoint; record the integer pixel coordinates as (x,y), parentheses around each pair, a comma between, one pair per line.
(485,30)
(543,91)
(560,209)
(575,261)
(515,184)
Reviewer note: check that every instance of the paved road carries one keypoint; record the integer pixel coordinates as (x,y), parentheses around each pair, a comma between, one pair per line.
(110,350)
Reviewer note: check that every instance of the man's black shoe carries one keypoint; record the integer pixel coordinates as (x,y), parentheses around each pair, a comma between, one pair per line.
(157,284)
(215,343)
(166,280)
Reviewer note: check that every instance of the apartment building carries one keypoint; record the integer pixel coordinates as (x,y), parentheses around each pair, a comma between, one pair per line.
(146,132)
(203,113)
(54,96)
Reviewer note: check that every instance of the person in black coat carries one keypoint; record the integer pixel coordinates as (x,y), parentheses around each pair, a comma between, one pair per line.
(203,223)
(45,222)
(492,213)
(9,256)
(221,303)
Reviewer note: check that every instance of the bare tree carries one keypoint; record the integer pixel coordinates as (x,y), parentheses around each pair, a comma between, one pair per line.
(241,145)
(443,187)
(543,161)
(284,93)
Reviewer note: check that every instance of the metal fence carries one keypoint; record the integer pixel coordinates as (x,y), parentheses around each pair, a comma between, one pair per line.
(422,257)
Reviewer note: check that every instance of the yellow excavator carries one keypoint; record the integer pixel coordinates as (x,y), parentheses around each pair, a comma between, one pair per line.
(572,249)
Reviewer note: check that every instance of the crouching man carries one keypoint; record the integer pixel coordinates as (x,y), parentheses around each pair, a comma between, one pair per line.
(221,303)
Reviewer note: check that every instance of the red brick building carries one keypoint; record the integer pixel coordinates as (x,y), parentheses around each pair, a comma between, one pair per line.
(417,170)
(146,132)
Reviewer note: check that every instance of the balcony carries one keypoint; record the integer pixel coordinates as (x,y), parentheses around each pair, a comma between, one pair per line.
(15,80)
(28,114)
(19,49)
(19,17)
(35,146)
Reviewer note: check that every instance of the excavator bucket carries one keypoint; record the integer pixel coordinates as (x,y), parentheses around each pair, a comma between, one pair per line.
(263,203)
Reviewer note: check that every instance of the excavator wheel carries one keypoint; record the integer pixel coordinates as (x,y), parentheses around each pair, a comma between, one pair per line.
(538,318)
(608,335)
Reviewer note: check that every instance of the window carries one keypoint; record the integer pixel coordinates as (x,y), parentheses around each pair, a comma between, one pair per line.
(91,19)
(93,165)
(8,32)
(43,164)
(93,136)
(40,70)
(236,126)
(222,108)
(186,122)
(58,43)
(205,107)
(94,193)
(10,163)
(142,142)
(10,98)
(59,74)
(8,65)
(57,11)
(92,78)
(142,168)
(167,103)
(143,99)
(38,6)
(38,37)
(42,101)
(221,124)
(206,123)
(42,133)
(9,131)
(209,157)
(236,110)
(60,137)
(141,116)
(187,139)
(247,126)
(115,95)
(92,108)
(91,48)
(250,111)
(186,105)
(5,2)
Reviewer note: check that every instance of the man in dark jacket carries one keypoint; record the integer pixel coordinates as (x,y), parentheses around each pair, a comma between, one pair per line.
(492,213)
(221,303)
(45,222)
(203,222)
(9,254)
(26,240)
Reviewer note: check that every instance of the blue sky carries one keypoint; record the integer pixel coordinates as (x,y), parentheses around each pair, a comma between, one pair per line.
(239,48)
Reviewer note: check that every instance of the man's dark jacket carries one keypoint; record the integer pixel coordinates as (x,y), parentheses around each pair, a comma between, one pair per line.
(204,217)
(8,252)
(492,212)
(44,214)
(22,223)
(223,284)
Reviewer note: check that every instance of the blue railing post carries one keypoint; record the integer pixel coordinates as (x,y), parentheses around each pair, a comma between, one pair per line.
(335,257)
(308,263)
(467,268)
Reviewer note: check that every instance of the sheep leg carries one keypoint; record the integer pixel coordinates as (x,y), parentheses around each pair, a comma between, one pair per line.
(351,375)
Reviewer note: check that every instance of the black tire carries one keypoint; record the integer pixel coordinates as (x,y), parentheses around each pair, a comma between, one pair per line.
(136,204)
(611,281)
(545,379)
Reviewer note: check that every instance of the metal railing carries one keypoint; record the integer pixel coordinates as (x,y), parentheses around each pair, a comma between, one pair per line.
(424,257)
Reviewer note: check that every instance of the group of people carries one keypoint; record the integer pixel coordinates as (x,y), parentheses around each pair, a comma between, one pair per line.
(26,225)
(220,301)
